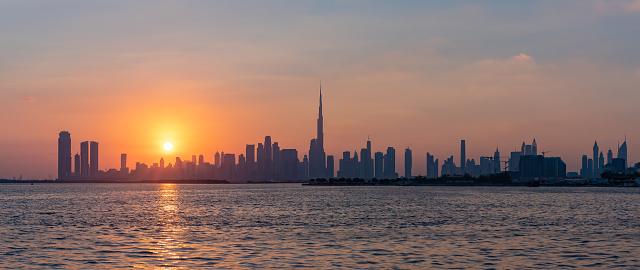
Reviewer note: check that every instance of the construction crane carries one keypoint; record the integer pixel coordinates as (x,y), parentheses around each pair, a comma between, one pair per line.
(544,152)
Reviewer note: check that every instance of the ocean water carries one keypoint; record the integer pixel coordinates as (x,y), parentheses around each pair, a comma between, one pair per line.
(283,226)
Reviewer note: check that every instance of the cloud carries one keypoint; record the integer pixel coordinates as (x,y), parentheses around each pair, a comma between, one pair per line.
(522,57)
(633,6)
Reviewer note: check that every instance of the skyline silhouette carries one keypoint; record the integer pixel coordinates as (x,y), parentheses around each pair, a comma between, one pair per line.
(271,163)
(212,76)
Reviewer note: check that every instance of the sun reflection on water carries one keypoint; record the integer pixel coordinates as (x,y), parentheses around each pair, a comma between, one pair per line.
(168,236)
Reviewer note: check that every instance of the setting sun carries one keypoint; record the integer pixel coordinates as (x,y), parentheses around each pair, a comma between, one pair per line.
(168,146)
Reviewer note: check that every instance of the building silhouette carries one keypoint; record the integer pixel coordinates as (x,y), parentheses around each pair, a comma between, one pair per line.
(408,162)
(64,155)
(596,150)
(379,165)
(84,158)
(584,171)
(432,167)
(390,164)
(366,164)
(93,165)
(463,157)
(496,160)
(317,162)
(330,166)
(76,168)
(622,152)
(534,167)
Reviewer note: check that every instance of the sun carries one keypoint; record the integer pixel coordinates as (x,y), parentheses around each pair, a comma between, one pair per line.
(168,146)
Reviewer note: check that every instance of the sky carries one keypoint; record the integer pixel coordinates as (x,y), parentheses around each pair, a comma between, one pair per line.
(217,75)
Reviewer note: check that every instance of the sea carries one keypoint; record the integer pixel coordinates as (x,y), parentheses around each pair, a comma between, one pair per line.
(283,226)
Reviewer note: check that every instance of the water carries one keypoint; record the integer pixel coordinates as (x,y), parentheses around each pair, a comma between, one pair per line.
(288,225)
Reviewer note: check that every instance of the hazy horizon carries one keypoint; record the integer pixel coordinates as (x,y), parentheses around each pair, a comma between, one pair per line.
(215,76)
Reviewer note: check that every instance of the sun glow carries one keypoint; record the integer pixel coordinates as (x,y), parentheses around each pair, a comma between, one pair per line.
(168,146)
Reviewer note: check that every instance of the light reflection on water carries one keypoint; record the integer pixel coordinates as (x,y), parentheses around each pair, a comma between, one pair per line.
(283,226)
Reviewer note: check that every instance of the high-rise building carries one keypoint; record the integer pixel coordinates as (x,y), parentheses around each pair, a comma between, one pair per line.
(622,152)
(463,157)
(250,156)
(276,168)
(317,159)
(84,157)
(535,166)
(305,167)
(161,163)
(93,165)
(228,167)
(76,168)
(123,162)
(330,166)
(534,147)
(251,153)
(432,167)
(64,155)
(217,159)
(289,164)
(584,171)
(609,156)
(366,164)
(408,162)
(596,150)
(390,164)
(268,158)
(514,161)
(260,162)
(601,163)
(379,166)
(496,160)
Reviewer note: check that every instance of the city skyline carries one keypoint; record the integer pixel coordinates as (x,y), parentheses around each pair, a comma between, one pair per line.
(271,163)
(215,76)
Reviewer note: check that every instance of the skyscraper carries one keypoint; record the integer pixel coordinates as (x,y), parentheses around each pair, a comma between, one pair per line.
(317,159)
(379,166)
(622,152)
(260,162)
(534,147)
(463,157)
(123,162)
(601,163)
(76,168)
(366,164)
(609,156)
(432,167)
(84,157)
(330,166)
(496,160)
(289,162)
(390,164)
(408,162)
(585,167)
(217,159)
(94,159)
(268,158)
(64,155)
(596,150)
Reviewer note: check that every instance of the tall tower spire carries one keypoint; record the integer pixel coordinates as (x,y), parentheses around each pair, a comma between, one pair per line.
(320,111)
(320,122)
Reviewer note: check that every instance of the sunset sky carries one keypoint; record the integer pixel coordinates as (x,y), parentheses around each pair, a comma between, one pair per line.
(217,75)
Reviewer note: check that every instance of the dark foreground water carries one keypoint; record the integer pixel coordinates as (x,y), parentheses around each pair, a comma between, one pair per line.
(289,225)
